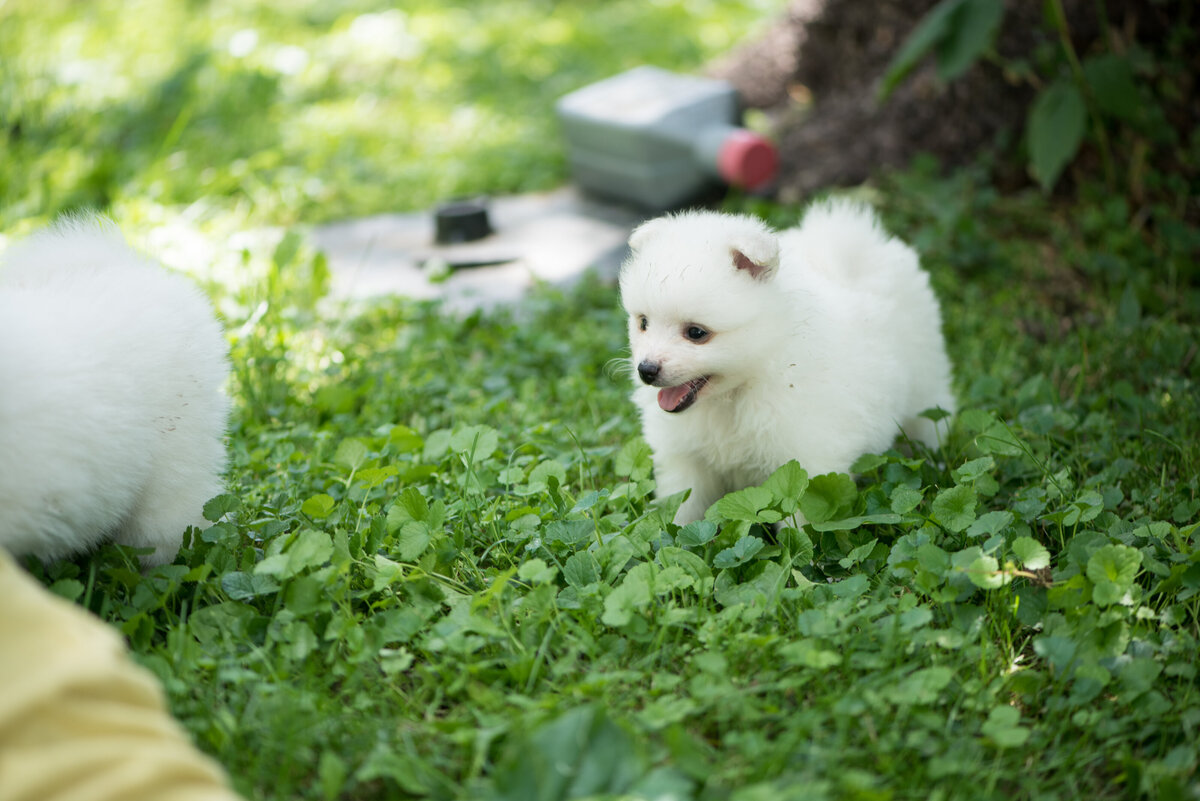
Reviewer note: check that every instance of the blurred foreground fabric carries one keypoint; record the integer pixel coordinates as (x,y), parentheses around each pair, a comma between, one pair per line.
(80,721)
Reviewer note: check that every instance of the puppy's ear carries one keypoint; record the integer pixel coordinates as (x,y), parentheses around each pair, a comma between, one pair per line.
(644,232)
(757,255)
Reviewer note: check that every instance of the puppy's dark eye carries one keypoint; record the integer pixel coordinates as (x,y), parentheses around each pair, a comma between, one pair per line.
(696,334)
(643,323)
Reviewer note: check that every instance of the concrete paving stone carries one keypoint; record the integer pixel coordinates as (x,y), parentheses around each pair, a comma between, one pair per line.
(552,237)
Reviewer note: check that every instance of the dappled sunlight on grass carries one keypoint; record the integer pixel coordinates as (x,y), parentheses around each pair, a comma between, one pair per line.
(313,112)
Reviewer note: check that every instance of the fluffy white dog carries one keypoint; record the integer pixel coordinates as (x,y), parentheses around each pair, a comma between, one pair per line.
(820,344)
(112,417)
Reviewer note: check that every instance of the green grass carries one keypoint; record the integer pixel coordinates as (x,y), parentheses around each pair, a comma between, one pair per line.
(439,571)
(306,111)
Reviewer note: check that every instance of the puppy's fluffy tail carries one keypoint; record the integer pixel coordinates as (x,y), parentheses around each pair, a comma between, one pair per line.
(844,240)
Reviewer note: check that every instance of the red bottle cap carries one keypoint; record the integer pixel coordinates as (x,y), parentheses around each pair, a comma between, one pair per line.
(747,160)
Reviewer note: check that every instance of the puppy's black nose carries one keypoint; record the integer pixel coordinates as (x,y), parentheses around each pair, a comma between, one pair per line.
(648,371)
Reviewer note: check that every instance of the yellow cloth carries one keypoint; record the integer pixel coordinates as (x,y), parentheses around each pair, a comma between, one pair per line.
(79,720)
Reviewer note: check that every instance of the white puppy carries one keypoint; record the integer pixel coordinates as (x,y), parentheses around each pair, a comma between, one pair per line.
(112,416)
(820,344)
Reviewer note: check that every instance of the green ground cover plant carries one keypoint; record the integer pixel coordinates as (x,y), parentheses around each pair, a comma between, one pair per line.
(440,570)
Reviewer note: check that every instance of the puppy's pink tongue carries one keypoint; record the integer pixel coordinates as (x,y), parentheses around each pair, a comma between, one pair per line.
(671,397)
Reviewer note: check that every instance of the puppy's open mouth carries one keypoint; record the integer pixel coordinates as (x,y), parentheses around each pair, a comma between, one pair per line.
(676,399)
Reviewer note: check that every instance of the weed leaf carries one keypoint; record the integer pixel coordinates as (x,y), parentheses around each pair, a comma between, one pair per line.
(972,470)
(688,562)
(930,31)
(827,496)
(71,589)
(990,523)
(851,523)
(807,653)
(761,589)
(410,505)
(954,508)
(746,505)
(398,764)
(541,474)
(318,507)
(477,441)
(985,572)
(633,460)
(1054,129)
(580,754)
(742,551)
(581,569)
(631,594)
(1138,675)
(1033,554)
(351,453)
(797,543)
(1003,727)
(905,499)
(310,549)
(933,559)
(536,571)
(220,506)
(850,587)
(1112,569)
(1110,78)
(787,485)
(405,440)
(922,686)
(570,532)
(413,538)
(1116,563)
(243,586)
(970,31)
(696,533)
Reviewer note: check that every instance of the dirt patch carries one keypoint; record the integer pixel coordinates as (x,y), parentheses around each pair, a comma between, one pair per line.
(818,68)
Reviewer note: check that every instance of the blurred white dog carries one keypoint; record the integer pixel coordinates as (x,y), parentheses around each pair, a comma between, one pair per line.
(820,344)
(112,417)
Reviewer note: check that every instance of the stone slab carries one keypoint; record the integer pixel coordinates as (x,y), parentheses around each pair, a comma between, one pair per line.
(551,237)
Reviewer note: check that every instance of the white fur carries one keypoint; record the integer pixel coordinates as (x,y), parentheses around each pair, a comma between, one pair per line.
(112,416)
(824,351)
